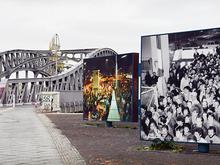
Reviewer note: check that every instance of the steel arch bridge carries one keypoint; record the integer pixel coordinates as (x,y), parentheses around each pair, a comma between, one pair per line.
(26,90)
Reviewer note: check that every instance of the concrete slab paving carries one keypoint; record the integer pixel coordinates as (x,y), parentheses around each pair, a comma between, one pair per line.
(24,139)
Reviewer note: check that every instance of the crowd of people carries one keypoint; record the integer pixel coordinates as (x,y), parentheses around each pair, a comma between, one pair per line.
(97,101)
(190,110)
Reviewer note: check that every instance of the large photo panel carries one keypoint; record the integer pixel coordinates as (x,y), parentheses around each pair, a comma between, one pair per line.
(180,91)
(110,88)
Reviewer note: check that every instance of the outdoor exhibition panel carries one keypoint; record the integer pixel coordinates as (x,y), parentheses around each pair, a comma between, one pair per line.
(180,86)
(110,88)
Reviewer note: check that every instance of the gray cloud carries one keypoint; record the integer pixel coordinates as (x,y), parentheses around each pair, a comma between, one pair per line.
(118,24)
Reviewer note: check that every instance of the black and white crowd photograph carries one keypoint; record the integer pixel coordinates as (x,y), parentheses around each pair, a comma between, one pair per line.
(180,93)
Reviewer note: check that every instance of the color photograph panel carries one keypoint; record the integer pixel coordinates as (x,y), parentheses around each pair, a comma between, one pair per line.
(108,88)
(180,92)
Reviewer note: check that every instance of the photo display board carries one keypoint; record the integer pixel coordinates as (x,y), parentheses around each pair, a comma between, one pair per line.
(50,101)
(180,87)
(110,88)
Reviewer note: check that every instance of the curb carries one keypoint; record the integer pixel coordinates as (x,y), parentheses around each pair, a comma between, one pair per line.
(67,152)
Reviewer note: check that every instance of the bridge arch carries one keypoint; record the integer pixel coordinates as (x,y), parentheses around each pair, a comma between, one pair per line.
(28,89)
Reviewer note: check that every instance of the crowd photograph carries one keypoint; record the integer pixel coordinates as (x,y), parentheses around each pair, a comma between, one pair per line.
(189,109)
(100,84)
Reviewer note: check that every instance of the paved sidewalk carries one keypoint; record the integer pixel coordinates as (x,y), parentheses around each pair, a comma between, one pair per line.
(24,139)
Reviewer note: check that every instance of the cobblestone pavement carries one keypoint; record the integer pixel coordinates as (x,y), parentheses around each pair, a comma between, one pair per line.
(68,153)
(24,139)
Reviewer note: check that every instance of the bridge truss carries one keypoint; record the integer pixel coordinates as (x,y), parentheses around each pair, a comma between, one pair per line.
(26,90)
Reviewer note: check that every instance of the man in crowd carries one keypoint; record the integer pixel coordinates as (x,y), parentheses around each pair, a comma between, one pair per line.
(212,137)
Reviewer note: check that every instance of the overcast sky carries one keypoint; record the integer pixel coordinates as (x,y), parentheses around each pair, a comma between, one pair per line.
(118,24)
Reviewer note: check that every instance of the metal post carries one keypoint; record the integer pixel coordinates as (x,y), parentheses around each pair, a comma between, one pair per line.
(13,98)
(203,147)
(51,85)
(26,74)
(17,75)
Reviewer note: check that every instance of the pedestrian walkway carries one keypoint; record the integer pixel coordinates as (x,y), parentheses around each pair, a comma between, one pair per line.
(24,139)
